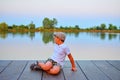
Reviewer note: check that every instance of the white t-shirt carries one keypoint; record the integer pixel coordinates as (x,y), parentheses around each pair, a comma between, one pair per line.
(60,52)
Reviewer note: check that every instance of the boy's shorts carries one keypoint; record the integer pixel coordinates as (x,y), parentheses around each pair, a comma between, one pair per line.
(53,62)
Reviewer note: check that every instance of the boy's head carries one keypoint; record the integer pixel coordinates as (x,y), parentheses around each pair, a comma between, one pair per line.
(60,35)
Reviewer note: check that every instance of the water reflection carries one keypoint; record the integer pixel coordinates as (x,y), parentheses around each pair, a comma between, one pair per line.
(76,34)
(32,35)
(112,36)
(48,36)
(3,35)
(104,36)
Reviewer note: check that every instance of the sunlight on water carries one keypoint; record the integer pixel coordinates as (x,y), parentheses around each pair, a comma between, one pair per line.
(39,46)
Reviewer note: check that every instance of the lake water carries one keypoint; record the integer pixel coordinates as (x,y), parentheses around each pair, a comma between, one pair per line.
(39,46)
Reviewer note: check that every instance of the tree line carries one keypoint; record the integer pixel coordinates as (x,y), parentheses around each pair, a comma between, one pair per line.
(104,27)
(5,27)
(50,24)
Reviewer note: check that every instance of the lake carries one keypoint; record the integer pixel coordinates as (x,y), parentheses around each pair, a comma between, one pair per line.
(39,46)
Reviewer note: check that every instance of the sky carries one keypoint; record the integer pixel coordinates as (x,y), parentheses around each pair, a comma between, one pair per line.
(85,13)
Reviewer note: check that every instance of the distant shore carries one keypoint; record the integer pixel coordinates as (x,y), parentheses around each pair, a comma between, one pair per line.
(49,25)
(61,30)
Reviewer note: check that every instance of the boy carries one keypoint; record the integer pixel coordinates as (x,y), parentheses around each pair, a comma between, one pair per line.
(55,63)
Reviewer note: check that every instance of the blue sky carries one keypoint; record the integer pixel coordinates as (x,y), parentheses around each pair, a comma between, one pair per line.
(85,13)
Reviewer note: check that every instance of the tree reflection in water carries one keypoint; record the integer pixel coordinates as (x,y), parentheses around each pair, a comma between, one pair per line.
(48,36)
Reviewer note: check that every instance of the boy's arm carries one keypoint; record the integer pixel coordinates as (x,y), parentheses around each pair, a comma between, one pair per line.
(72,62)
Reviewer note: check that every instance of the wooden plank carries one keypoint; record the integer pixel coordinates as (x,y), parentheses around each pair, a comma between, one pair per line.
(115,63)
(70,75)
(91,71)
(13,71)
(47,76)
(4,64)
(30,75)
(67,64)
(86,70)
(109,70)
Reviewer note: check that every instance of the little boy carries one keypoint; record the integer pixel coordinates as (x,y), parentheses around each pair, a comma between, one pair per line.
(55,63)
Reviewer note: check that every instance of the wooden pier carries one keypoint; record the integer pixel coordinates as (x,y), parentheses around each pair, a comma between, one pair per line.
(86,70)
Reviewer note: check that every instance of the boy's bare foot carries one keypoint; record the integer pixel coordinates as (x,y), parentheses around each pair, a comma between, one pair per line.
(35,66)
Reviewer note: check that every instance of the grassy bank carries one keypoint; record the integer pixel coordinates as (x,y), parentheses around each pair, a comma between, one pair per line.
(58,30)
(76,30)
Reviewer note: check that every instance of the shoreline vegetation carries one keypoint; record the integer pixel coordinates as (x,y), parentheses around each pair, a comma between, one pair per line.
(59,30)
(49,25)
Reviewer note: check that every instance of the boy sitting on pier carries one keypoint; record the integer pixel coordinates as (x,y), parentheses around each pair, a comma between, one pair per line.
(55,63)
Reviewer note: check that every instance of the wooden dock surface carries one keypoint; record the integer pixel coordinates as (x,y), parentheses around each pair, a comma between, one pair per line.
(86,70)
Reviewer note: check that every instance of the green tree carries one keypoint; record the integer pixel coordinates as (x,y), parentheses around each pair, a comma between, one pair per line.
(54,22)
(77,27)
(98,28)
(31,25)
(46,23)
(21,27)
(115,27)
(3,26)
(61,27)
(103,26)
(49,24)
(14,26)
(112,27)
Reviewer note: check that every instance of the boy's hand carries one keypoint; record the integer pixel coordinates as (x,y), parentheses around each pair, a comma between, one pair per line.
(74,69)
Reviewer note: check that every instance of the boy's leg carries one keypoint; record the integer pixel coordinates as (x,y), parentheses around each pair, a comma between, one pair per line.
(54,70)
(45,66)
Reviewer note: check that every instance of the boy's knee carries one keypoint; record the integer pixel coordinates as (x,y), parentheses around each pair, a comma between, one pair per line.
(55,70)
(46,66)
